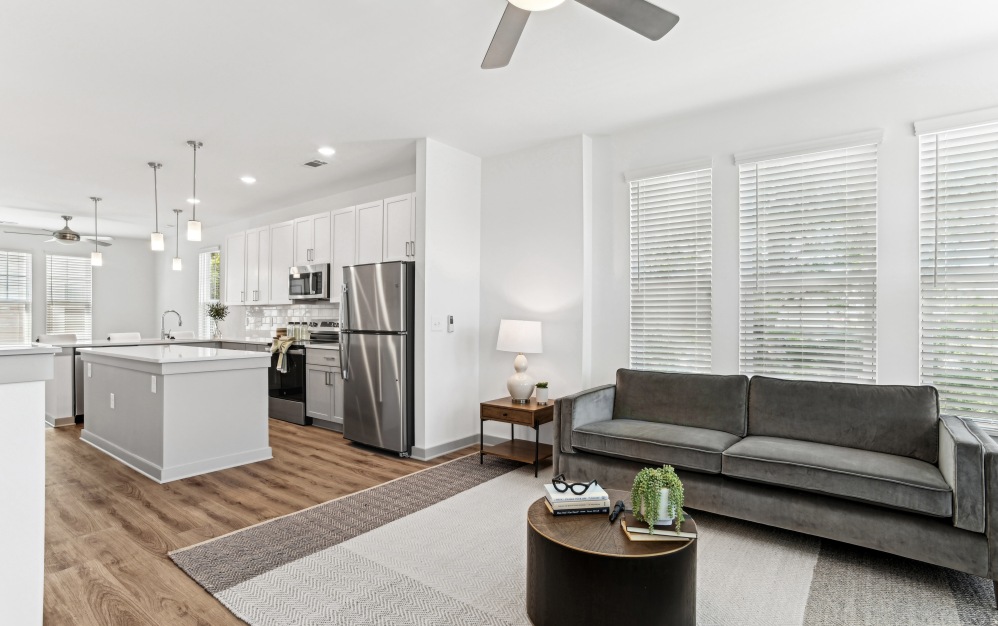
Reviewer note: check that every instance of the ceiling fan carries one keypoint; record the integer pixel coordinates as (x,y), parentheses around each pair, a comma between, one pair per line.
(64,235)
(641,16)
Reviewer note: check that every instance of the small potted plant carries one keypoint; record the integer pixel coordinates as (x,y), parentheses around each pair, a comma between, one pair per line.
(657,497)
(542,392)
(216,312)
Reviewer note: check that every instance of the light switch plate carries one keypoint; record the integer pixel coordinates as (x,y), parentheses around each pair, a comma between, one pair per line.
(153,379)
(112,400)
(90,370)
(437,323)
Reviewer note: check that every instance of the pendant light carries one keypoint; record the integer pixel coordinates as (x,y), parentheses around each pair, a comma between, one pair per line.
(193,225)
(156,242)
(96,258)
(177,263)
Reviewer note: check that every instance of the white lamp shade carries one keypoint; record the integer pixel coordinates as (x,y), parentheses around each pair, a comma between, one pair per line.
(536,5)
(156,242)
(96,259)
(193,230)
(519,336)
(177,263)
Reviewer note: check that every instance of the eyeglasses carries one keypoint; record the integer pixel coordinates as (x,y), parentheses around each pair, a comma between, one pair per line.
(577,488)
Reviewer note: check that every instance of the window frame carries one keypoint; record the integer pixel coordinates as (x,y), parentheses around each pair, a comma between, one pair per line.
(28,302)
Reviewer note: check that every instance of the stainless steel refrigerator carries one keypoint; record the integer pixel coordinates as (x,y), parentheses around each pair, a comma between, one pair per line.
(376,354)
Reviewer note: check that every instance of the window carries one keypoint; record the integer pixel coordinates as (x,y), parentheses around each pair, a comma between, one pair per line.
(209,266)
(808,265)
(15,297)
(958,257)
(68,301)
(670,272)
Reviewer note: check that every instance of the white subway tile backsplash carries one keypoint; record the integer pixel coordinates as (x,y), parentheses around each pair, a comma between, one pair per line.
(262,321)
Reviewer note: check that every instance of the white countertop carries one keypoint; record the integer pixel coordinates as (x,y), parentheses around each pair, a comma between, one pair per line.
(18,349)
(103,343)
(175,353)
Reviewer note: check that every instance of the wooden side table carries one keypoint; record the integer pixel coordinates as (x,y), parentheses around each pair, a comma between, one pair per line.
(531,414)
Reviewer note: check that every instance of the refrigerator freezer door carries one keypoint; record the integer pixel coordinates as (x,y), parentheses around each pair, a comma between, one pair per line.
(374,408)
(375,297)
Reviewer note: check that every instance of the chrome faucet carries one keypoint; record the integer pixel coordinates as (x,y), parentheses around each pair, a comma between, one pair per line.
(165,334)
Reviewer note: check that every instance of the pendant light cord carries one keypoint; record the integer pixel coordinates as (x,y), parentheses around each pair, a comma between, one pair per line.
(155,187)
(194,215)
(95,224)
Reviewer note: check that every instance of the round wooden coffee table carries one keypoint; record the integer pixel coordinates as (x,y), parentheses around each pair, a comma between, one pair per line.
(581,569)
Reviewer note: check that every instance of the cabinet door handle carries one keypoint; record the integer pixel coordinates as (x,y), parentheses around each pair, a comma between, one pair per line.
(413,249)
(242,296)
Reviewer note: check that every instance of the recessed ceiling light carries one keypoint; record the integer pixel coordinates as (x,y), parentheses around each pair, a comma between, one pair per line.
(326,151)
(249,180)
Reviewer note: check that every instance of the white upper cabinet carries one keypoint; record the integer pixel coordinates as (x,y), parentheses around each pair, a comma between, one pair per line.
(370,232)
(258,265)
(235,269)
(282,257)
(400,228)
(312,239)
(344,248)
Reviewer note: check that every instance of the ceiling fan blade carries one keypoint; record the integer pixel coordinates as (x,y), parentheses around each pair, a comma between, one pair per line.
(102,243)
(50,240)
(640,16)
(504,41)
(24,232)
(101,237)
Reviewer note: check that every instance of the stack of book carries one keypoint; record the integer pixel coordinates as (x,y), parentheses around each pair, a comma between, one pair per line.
(638,531)
(594,500)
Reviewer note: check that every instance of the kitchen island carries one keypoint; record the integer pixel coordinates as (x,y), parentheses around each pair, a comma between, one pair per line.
(175,411)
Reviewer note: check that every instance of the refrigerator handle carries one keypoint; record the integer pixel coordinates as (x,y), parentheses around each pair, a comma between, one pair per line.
(381,382)
(344,337)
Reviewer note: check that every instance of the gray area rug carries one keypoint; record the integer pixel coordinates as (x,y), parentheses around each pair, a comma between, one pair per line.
(447,546)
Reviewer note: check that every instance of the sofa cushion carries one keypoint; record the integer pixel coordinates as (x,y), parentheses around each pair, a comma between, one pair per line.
(684,447)
(700,400)
(893,419)
(894,481)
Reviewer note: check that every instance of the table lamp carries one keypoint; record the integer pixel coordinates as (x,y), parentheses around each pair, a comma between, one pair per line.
(519,336)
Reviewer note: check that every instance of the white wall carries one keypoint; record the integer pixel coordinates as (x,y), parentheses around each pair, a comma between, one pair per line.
(124,290)
(448,209)
(533,215)
(889,101)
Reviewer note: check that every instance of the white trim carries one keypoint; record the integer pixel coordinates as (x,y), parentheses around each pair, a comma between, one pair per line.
(694,165)
(957,121)
(807,147)
(215,248)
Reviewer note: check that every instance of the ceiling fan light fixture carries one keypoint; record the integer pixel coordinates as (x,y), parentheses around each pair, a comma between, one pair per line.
(536,5)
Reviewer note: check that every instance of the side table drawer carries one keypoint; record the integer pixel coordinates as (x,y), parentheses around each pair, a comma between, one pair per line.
(507,415)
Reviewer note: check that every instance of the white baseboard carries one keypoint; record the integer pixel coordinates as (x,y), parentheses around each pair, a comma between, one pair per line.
(425,454)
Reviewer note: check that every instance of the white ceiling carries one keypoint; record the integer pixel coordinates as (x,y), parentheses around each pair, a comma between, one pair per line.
(92,91)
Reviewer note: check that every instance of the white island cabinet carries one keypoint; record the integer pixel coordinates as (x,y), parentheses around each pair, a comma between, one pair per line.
(176,411)
(23,372)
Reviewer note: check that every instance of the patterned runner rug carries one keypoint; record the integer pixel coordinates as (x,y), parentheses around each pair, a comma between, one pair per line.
(448,546)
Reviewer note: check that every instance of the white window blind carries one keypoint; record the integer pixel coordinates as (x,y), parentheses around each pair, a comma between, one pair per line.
(209,264)
(68,302)
(958,255)
(808,264)
(670,272)
(15,297)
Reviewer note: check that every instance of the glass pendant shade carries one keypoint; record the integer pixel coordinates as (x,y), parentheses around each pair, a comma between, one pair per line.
(193,230)
(156,242)
(96,259)
(177,264)
(536,5)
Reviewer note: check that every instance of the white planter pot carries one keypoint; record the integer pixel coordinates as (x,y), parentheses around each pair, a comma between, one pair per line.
(666,513)
(542,395)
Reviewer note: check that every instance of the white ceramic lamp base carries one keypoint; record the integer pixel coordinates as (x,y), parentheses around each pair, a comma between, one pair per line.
(520,384)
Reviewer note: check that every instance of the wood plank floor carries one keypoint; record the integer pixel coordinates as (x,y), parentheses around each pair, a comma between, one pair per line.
(108,528)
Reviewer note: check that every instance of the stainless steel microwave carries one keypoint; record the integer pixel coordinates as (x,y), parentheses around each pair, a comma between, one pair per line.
(309,282)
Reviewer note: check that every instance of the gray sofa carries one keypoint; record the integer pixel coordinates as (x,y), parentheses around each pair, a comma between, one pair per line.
(871,465)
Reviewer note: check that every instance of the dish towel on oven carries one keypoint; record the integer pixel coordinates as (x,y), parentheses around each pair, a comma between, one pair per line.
(280,346)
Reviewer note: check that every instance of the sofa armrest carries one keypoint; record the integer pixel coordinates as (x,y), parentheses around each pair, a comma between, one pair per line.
(585,407)
(961,462)
(990,496)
